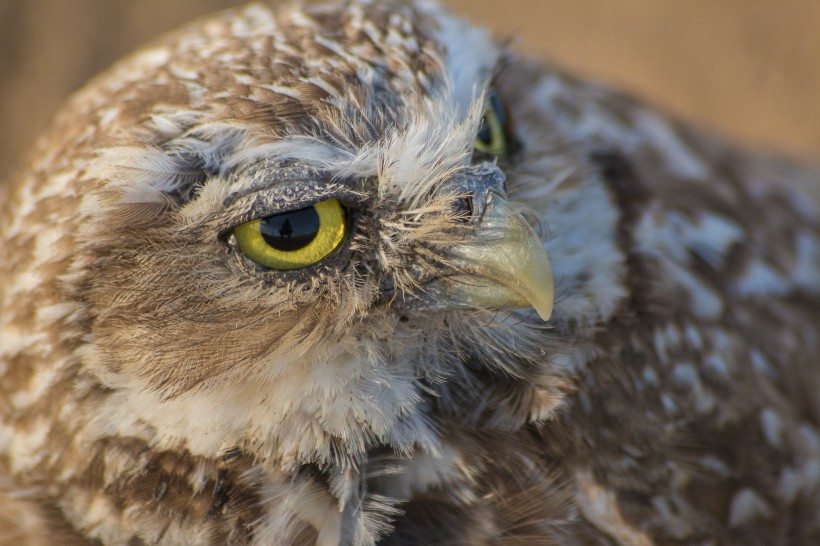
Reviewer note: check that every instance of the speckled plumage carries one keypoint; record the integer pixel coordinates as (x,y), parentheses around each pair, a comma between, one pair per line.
(157,388)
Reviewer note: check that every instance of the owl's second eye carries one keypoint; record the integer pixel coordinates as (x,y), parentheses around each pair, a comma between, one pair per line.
(492,138)
(294,239)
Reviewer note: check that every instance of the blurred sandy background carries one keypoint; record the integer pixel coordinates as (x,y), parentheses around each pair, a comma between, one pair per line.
(746,68)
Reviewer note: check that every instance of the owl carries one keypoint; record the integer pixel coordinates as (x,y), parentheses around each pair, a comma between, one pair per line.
(354,274)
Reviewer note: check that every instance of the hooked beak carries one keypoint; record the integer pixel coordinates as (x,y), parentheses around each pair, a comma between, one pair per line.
(502,264)
(506,263)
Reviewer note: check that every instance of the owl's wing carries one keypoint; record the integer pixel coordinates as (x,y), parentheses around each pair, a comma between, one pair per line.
(696,411)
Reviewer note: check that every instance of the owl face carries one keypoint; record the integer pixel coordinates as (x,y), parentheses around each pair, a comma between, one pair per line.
(316,243)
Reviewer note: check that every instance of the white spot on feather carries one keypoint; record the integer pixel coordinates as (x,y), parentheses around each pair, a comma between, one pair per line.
(13,340)
(761,364)
(50,313)
(806,272)
(761,279)
(254,20)
(24,445)
(711,236)
(747,506)
(693,337)
(686,375)
(772,427)
(37,386)
(715,465)
(23,284)
(705,302)
(650,377)
(669,405)
(600,507)
(716,364)
(809,437)
(789,484)
(158,56)
(677,155)
(671,240)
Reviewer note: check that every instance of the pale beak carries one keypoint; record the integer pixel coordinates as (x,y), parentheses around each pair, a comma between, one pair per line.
(502,264)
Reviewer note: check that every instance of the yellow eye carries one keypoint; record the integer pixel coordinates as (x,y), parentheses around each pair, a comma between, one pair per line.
(491,138)
(295,239)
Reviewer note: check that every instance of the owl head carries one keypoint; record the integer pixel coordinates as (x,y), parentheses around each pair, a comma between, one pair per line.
(298,233)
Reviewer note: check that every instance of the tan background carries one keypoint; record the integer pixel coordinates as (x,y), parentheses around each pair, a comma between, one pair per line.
(748,68)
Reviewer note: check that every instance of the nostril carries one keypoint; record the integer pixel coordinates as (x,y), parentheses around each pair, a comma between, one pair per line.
(463,209)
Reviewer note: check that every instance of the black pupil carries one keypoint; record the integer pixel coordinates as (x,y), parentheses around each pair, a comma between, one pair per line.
(291,231)
(484,133)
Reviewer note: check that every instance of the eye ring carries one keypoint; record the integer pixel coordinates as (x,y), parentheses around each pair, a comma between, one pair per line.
(294,239)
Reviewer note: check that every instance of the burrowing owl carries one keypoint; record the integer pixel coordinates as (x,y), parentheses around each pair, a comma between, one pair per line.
(283,279)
